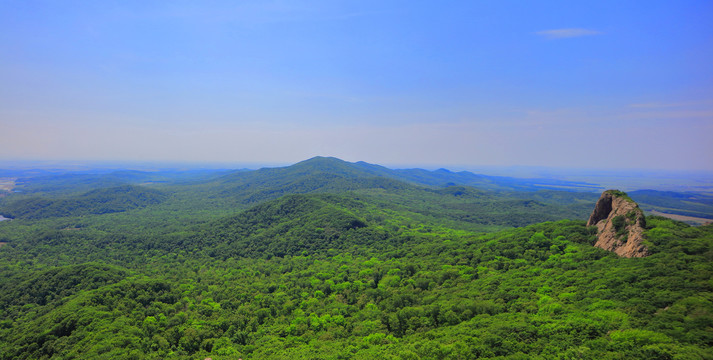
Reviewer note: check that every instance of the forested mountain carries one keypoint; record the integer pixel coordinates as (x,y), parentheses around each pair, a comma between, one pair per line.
(374,183)
(211,189)
(333,260)
(437,178)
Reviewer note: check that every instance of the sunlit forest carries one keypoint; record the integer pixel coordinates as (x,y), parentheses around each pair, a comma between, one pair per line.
(327,259)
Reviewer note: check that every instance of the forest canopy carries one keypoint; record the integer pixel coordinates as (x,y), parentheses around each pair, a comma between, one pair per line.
(281,267)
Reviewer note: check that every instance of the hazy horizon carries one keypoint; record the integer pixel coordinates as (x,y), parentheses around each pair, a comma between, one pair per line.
(68,164)
(465,86)
(700,181)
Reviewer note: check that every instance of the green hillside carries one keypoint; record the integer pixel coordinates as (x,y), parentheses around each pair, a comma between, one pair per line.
(437,178)
(537,292)
(326,260)
(470,206)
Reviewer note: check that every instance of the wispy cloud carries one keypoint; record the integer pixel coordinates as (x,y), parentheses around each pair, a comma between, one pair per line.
(567,33)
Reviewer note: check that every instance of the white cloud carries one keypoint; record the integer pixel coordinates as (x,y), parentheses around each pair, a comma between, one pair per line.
(567,33)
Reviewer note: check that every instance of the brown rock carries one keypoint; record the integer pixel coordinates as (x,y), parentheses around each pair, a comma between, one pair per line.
(620,224)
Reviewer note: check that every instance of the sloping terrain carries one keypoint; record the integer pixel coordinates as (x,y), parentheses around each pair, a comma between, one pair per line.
(437,178)
(377,184)
(541,291)
(324,261)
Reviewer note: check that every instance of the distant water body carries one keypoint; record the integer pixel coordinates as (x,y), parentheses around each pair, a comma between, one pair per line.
(3,218)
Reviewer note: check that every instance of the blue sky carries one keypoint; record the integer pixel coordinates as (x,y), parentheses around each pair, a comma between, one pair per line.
(608,84)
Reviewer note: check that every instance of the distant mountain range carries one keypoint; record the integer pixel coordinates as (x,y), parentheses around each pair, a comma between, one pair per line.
(47,194)
(319,166)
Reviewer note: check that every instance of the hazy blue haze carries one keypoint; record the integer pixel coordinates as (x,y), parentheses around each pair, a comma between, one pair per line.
(603,84)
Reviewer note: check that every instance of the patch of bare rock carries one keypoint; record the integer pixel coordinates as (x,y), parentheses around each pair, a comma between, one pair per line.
(620,224)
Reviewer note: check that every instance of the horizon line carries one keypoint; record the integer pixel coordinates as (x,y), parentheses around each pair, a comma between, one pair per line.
(67,164)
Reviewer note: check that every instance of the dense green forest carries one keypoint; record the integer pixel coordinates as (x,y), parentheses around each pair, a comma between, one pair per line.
(100,201)
(333,260)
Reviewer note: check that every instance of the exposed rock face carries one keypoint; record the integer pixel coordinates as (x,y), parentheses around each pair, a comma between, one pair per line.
(620,224)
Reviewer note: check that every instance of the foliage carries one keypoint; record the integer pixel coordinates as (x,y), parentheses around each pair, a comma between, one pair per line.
(393,272)
(100,201)
(619,193)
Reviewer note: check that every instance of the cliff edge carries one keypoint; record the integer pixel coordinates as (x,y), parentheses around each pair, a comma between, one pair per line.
(620,224)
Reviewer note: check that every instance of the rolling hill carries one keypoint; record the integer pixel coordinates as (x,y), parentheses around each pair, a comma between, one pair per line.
(437,178)
(327,259)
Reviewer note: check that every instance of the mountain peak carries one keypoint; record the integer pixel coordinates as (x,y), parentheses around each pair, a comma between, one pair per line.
(324,164)
(323,159)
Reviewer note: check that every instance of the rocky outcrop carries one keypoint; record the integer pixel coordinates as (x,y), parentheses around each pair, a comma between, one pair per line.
(620,224)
